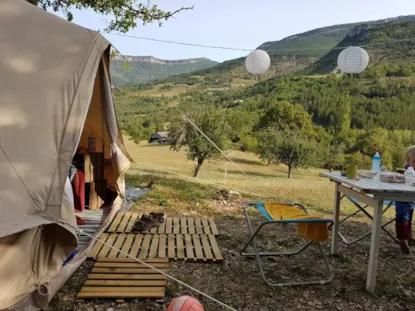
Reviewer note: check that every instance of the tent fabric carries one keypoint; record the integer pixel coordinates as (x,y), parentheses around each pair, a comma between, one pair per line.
(54,86)
(47,73)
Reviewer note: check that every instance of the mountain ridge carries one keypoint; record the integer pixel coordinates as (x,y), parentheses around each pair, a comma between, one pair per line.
(144,69)
(152,59)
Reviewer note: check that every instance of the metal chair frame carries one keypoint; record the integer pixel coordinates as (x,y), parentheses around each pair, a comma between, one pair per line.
(362,209)
(258,255)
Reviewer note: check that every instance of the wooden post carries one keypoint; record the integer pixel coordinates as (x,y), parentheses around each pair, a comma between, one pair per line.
(374,248)
(336,217)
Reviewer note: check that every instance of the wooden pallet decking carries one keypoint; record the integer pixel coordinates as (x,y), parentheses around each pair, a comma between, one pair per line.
(124,222)
(172,246)
(121,278)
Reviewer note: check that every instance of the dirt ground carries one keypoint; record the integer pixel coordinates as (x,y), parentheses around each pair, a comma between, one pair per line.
(237,282)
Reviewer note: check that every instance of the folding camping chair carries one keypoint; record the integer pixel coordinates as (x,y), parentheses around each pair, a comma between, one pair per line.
(362,209)
(313,228)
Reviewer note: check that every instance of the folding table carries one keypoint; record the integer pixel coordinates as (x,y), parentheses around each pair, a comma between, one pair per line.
(372,193)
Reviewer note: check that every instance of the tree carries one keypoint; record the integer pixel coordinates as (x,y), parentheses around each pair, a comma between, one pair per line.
(286,117)
(340,119)
(183,134)
(124,13)
(331,156)
(289,147)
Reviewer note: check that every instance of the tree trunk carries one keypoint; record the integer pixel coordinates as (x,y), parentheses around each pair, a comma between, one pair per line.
(289,171)
(198,167)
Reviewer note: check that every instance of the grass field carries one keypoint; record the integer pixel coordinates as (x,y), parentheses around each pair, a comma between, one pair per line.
(267,181)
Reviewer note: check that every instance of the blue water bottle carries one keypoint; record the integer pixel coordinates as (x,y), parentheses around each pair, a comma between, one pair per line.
(376,163)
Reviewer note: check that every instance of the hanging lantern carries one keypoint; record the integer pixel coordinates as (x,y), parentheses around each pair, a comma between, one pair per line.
(257,62)
(354,59)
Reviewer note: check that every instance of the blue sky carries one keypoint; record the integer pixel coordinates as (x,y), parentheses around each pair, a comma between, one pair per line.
(240,24)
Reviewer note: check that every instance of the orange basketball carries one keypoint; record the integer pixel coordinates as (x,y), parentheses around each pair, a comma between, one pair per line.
(185,303)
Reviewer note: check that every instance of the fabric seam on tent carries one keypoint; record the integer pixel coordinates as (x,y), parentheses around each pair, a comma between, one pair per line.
(21,180)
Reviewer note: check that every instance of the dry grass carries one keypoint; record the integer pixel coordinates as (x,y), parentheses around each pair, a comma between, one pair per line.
(269,181)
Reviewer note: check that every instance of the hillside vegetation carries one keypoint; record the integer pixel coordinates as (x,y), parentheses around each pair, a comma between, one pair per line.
(372,37)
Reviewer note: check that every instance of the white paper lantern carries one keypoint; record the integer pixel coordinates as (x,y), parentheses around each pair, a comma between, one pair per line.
(257,62)
(354,59)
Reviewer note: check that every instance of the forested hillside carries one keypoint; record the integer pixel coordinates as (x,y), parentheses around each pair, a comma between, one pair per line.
(373,37)
(294,54)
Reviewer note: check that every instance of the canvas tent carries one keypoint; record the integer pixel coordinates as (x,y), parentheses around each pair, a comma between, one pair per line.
(55,93)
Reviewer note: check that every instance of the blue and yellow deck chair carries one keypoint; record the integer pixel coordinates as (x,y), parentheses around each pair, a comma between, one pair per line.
(313,228)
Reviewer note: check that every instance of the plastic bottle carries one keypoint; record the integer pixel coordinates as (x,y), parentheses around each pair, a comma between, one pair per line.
(409,175)
(376,162)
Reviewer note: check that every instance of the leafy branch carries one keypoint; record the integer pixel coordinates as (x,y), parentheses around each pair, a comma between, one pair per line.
(125,13)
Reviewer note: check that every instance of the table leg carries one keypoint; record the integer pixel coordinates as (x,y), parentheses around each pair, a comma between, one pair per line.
(336,216)
(374,248)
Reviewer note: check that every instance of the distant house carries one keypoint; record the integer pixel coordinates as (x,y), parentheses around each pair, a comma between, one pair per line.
(161,137)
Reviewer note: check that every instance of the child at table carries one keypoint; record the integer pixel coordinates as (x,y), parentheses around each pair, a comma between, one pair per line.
(404,212)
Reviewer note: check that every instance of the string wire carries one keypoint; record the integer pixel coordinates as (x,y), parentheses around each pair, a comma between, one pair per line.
(248,50)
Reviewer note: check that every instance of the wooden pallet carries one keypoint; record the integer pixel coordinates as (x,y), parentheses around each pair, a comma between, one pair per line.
(124,222)
(120,278)
(172,246)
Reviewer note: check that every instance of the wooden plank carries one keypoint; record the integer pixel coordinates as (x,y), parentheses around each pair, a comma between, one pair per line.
(155,260)
(105,249)
(125,283)
(132,294)
(183,225)
(199,228)
(198,247)
(180,246)
(213,227)
(374,248)
(336,219)
(154,246)
(127,276)
(126,270)
(162,227)
(191,225)
(136,245)
(206,247)
(131,223)
(176,225)
(171,251)
(162,246)
(189,247)
(129,265)
(399,197)
(169,228)
(127,245)
(116,222)
(145,246)
(369,185)
(117,245)
(206,227)
(98,245)
(154,230)
(215,248)
(124,222)
(121,289)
